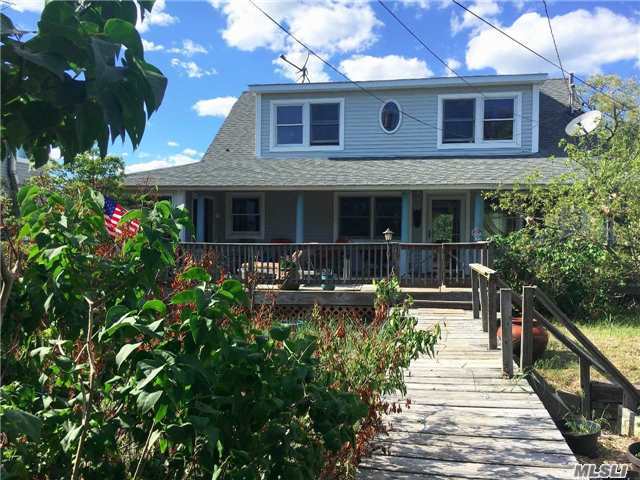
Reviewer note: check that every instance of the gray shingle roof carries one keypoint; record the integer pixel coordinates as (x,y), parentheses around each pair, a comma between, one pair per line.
(230,161)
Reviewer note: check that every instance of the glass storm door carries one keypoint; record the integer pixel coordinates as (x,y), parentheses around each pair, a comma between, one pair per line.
(445,221)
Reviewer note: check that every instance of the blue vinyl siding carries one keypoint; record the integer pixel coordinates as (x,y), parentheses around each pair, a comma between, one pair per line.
(363,136)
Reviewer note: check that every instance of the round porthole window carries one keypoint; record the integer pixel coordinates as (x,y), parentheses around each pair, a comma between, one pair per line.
(390,116)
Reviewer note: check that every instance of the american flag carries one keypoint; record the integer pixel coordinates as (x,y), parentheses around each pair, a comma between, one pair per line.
(113,212)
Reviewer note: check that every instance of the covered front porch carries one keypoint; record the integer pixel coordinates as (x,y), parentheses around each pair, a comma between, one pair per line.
(328,216)
(436,234)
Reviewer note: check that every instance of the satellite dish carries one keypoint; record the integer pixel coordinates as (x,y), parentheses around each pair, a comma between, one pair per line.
(584,124)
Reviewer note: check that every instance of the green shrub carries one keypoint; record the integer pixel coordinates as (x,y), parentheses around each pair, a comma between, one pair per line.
(114,366)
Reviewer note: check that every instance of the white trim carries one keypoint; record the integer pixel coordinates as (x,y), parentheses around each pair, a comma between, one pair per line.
(479,142)
(535,119)
(372,196)
(258,125)
(403,83)
(305,146)
(229,233)
(390,132)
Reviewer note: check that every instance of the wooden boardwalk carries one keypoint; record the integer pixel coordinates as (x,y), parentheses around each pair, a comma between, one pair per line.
(465,420)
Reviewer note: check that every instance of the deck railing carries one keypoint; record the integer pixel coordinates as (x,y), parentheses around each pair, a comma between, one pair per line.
(416,264)
(489,291)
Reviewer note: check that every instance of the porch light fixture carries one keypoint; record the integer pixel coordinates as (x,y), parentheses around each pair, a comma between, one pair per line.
(388,235)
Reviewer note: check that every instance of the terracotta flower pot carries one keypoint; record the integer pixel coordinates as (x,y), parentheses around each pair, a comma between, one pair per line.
(540,337)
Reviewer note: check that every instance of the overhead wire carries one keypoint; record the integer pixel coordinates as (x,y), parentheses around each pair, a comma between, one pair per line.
(539,55)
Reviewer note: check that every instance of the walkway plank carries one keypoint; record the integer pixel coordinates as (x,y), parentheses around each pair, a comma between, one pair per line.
(461,419)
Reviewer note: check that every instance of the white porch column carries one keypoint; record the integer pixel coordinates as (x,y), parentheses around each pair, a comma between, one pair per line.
(179,199)
(200,221)
(300,218)
(478,218)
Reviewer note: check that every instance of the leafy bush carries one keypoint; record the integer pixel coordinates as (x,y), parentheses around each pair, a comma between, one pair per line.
(368,359)
(114,365)
(582,276)
(582,234)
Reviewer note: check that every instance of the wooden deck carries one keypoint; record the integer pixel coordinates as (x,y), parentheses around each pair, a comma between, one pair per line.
(465,420)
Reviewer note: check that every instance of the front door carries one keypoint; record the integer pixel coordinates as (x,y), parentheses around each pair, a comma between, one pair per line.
(445,220)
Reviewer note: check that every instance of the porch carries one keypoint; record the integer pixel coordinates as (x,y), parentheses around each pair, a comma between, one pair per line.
(417,265)
(339,216)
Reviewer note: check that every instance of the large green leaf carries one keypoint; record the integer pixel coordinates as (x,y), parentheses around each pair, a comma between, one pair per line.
(125,33)
(196,273)
(16,422)
(156,305)
(125,351)
(146,401)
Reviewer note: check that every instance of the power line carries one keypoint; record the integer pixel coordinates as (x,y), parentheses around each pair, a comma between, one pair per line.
(555,45)
(335,69)
(539,55)
(445,63)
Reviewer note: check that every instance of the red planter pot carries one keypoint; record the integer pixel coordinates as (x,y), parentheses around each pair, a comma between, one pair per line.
(540,337)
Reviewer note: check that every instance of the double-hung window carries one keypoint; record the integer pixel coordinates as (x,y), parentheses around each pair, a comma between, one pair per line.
(313,124)
(366,217)
(325,124)
(289,124)
(490,120)
(498,122)
(245,215)
(458,120)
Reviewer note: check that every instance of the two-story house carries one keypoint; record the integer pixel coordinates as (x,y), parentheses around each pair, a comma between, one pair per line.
(341,162)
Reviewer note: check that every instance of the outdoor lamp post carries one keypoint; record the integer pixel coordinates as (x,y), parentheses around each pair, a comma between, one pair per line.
(388,236)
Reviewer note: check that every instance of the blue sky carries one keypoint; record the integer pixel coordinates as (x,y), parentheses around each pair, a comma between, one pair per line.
(211,50)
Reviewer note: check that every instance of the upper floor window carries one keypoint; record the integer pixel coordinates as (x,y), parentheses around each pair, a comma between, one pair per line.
(498,119)
(490,120)
(325,124)
(390,116)
(289,124)
(458,120)
(310,124)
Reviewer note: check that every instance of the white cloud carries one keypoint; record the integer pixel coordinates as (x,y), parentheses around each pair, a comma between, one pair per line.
(190,152)
(35,6)
(189,48)
(214,107)
(367,67)
(488,9)
(172,143)
(149,46)
(327,26)
(171,161)
(453,64)
(157,17)
(192,69)
(587,41)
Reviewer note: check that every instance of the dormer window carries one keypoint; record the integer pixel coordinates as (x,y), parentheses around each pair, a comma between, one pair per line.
(474,120)
(289,124)
(309,124)
(498,119)
(458,120)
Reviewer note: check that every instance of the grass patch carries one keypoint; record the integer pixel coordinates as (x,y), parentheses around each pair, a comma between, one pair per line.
(617,337)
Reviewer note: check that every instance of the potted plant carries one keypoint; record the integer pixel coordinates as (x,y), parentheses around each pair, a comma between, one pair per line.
(581,434)
(328,280)
(633,454)
(540,337)
(290,271)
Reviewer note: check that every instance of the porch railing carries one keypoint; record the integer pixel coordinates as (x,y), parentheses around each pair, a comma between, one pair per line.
(416,264)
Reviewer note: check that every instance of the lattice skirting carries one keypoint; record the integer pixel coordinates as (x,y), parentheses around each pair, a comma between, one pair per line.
(300,312)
